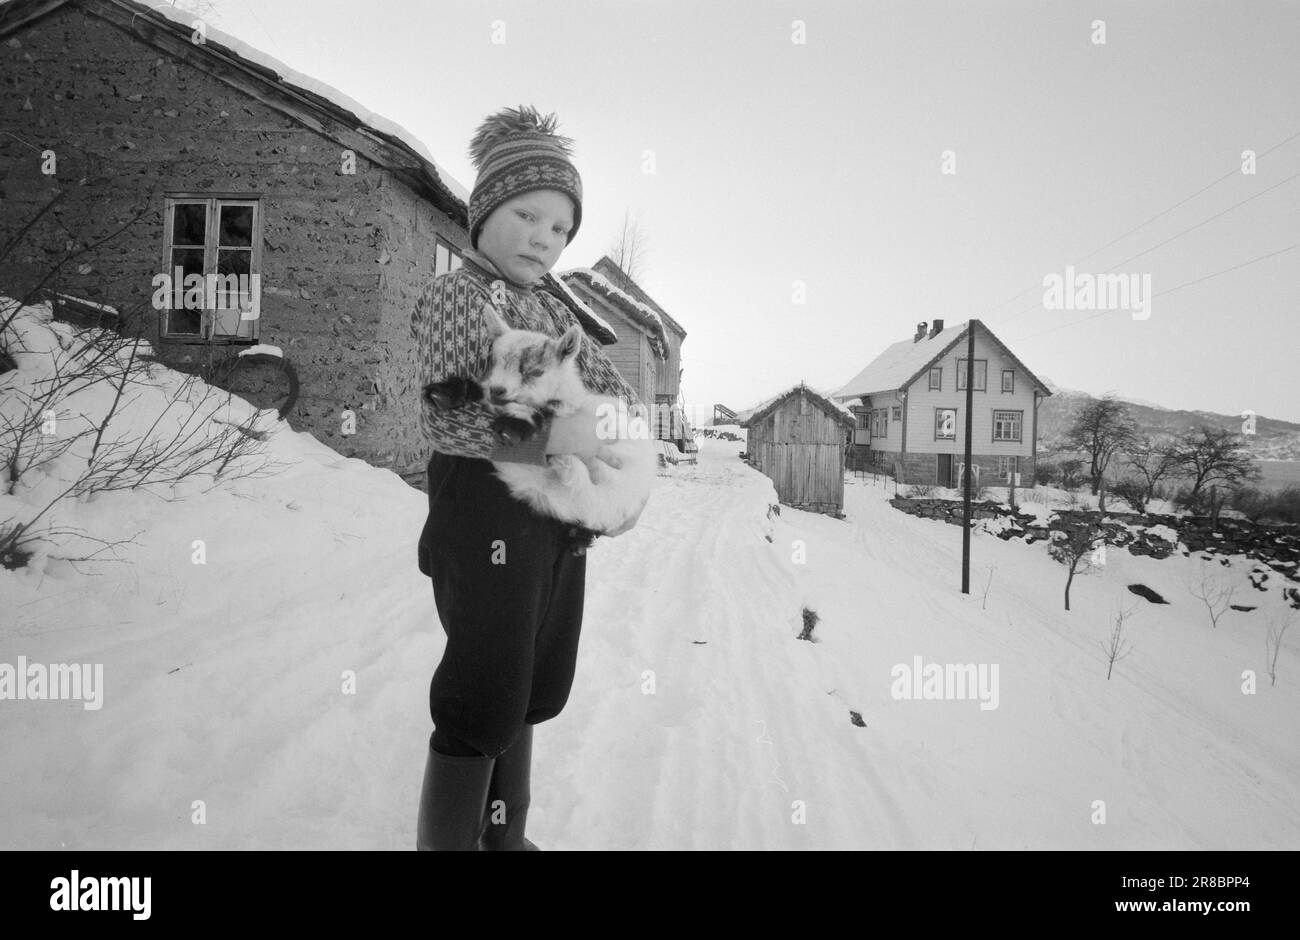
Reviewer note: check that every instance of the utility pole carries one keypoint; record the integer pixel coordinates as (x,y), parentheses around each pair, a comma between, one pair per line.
(970,405)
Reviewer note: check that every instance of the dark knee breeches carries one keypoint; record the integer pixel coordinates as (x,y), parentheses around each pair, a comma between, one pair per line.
(509,592)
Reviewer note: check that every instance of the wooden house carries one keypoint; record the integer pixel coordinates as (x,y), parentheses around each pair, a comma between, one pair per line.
(910,404)
(648,353)
(798,440)
(171,145)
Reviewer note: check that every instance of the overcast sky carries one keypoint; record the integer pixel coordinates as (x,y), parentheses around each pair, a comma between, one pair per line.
(821,162)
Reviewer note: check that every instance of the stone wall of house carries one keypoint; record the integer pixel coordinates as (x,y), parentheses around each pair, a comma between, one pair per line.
(923,469)
(1277,546)
(343,255)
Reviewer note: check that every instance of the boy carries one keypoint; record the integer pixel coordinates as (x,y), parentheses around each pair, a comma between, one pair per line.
(507,583)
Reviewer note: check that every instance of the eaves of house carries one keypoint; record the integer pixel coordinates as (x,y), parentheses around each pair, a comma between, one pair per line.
(904,362)
(760,411)
(312,103)
(612,272)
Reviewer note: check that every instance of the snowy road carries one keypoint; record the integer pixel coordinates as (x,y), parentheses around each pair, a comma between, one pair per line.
(275,696)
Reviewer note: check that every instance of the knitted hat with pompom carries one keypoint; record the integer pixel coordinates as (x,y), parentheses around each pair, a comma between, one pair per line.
(517,151)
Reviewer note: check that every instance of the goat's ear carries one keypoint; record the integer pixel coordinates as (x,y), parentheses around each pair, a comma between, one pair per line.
(568,345)
(495,325)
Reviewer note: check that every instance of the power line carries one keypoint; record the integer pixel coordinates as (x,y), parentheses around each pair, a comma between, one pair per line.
(1037,306)
(1161,214)
(1169,290)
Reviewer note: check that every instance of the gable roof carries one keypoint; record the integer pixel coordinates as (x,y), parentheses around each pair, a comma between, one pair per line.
(639,313)
(591,321)
(611,271)
(312,102)
(833,409)
(904,362)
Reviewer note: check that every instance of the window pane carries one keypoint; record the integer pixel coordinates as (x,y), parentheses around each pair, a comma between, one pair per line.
(233,269)
(236,226)
(456,261)
(441,264)
(189,222)
(186,313)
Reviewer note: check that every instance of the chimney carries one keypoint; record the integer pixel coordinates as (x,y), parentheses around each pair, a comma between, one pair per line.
(936,328)
(920,332)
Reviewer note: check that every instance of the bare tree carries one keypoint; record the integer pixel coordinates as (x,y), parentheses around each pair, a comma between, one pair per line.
(194,433)
(1207,455)
(1277,627)
(1152,460)
(628,248)
(1214,589)
(1102,429)
(1074,548)
(1117,647)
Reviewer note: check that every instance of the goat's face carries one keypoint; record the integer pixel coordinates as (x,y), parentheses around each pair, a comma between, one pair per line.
(531,368)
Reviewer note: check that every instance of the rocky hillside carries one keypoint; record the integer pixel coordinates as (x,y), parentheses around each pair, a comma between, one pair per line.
(1273,439)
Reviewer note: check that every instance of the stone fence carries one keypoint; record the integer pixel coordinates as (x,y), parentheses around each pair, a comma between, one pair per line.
(1158,536)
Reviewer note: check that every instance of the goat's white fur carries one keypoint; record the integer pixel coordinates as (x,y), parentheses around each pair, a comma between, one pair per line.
(530,370)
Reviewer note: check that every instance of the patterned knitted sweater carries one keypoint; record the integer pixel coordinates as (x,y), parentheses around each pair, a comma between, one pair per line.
(451,338)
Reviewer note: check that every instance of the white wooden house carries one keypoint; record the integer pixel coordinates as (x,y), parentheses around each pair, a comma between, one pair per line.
(910,403)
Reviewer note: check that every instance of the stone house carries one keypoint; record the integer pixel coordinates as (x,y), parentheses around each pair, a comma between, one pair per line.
(910,403)
(174,146)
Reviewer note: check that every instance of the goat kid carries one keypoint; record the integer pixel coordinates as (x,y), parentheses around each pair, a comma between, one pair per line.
(529,377)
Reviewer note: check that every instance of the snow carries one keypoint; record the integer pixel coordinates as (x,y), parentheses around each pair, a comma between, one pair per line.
(63,298)
(597,318)
(1163,532)
(600,282)
(263,349)
(225,682)
(898,363)
(748,413)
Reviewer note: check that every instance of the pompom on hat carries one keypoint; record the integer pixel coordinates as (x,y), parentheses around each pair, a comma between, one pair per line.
(517,151)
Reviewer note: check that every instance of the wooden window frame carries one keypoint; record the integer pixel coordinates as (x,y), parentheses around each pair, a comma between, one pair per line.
(1020,426)
(455,258)
(985,373)
(953,437)
(896,413)
(1008,466)
(936,382)
(211,239)
(1012,373)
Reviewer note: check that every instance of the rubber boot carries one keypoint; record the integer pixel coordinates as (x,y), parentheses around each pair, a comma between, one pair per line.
(508,796)
(452,802)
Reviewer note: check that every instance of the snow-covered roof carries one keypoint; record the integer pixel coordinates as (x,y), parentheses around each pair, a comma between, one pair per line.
(593,322)
(900,364)
(637,311)
(619,277)
(896,366)
(297,81)
(743,418)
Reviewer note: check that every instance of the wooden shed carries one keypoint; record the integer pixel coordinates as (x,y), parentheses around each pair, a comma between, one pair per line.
(797,440)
